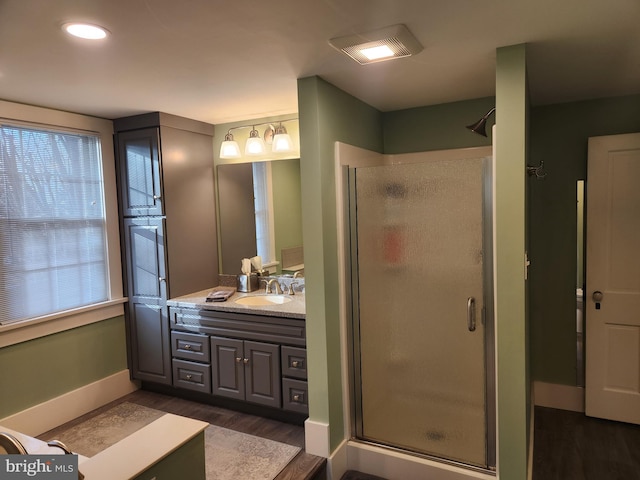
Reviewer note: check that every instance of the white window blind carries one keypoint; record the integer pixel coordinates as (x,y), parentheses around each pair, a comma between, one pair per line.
(263,203)
(53,254)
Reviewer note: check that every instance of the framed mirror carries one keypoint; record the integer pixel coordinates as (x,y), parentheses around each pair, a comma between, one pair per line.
(260,213)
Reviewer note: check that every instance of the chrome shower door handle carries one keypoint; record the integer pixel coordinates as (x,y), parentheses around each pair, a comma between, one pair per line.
(471,314)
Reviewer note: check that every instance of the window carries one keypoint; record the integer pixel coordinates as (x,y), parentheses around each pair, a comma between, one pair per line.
(53,240)
(263,202)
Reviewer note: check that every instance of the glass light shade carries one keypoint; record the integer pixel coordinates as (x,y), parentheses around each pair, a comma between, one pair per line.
(282,143)
(229,149)
(255,144)
(281,140)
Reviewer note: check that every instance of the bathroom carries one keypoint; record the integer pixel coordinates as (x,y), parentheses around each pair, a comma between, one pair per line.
(105,340)
(530,355)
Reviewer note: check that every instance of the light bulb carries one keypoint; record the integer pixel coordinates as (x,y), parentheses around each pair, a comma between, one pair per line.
(255,144)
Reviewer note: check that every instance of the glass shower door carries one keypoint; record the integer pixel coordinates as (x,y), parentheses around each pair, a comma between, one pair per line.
(419,335)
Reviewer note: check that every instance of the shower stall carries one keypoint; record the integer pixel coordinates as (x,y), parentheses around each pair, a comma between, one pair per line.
(421,305)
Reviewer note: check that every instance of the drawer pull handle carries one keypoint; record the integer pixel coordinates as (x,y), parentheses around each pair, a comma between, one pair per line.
(246,360)
(238,359)
(297,398)
(187,346)
(189,376)
(296,364)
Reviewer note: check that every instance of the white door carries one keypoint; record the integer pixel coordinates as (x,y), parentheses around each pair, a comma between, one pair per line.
(612,297)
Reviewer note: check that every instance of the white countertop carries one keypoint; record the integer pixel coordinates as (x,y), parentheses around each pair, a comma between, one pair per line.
(293,309)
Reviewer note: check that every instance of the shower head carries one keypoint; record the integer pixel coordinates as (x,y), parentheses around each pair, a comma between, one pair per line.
(479,126)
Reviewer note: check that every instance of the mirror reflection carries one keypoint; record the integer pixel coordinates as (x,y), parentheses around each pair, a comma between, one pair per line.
(260,214)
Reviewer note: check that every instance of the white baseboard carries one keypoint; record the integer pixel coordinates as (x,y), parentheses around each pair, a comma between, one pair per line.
(553,395)
(338,464)
(316,438)
(52,413)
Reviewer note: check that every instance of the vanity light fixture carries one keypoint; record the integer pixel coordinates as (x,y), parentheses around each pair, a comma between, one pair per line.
(386,43)
(278,137)
(85,30)
(281,140)
(255,143)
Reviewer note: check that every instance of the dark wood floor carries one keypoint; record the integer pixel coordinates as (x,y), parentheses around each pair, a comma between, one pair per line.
(572,446)
(567,445)
(303,467)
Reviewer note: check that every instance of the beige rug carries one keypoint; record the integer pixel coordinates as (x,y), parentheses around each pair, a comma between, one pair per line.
(229,455)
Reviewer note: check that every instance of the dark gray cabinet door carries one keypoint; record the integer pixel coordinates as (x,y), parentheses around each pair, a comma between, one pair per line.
(140,172)
(246,370)
(150,358)
(227,367)
(145,259)
(149,344)
(262,373)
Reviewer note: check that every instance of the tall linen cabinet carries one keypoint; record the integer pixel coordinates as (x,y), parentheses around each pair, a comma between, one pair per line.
(168,228)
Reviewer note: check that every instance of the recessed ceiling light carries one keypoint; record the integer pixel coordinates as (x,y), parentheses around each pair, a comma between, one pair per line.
(386,43)
(85,30)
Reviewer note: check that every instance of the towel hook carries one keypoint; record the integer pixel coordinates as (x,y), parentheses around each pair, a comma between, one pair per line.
(538,171)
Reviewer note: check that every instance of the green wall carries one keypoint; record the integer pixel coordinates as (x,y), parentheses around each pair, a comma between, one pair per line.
(187,461)
(287,205)
(327,115)
(39,370)
(437,127)
(513,398)
(559,135)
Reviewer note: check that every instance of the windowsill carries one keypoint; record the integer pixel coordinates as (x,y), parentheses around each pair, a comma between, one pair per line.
(35,328)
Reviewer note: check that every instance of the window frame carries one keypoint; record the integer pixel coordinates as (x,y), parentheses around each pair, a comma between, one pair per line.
(40,117)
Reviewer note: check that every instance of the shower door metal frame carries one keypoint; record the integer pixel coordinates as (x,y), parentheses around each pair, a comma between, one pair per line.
(351,246)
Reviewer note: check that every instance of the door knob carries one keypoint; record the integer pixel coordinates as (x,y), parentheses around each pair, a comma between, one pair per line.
(597,298)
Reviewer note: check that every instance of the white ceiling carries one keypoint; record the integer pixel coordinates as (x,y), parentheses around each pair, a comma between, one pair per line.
(220,60)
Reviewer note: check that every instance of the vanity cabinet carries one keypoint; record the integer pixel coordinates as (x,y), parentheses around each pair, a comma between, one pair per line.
(168,228)
(252,358)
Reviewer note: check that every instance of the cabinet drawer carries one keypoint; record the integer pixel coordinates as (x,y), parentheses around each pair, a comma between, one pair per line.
(294,395)
(294,362)
(190,346)
(260,328)
(191,375)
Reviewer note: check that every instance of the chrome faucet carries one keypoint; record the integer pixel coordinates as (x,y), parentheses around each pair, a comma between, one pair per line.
(291,290)
(298,273)
(274,281)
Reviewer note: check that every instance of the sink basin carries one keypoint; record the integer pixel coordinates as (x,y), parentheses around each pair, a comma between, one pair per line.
(263,300)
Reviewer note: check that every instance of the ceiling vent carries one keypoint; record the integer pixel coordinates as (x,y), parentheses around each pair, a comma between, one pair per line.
(386,43)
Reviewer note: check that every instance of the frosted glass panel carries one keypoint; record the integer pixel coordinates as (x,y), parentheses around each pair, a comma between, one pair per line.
(419,234)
